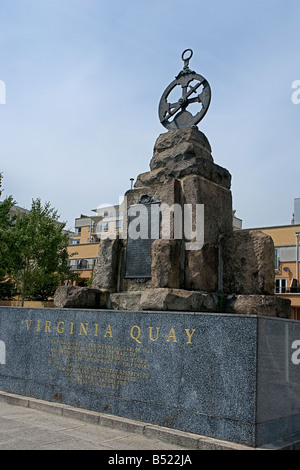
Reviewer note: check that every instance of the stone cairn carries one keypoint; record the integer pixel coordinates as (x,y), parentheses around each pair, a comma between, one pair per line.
(232,271)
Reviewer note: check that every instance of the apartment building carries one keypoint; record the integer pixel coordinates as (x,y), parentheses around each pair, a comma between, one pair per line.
(107,222)
(286,240)
(89,230)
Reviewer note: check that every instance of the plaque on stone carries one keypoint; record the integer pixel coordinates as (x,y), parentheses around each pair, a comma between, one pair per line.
(143,228)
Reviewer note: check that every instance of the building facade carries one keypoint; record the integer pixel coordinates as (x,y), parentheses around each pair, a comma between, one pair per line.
(84,244)
(296,215)
(286,240)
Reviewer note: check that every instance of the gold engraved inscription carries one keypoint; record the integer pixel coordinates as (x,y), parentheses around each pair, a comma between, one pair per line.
(99,365)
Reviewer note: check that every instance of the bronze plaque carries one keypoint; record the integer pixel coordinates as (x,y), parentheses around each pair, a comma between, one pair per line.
(143,229)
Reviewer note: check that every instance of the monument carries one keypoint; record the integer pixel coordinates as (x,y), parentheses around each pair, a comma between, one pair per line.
(181,328)
(180,251)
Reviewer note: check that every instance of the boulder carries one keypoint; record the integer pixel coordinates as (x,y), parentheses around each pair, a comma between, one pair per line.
(125,300)
(105,274)
(201,269)
(262,305)
(78,297)
(166,263)
(180,145)
(247,263)
(180,153)
(177,300)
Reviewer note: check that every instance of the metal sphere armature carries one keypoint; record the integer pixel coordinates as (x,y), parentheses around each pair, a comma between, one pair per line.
(195,89)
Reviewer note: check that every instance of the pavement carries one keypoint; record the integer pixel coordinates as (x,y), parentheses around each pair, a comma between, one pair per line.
(32,424)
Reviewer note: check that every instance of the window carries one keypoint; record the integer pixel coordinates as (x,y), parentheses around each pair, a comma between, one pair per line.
(83,264)
(276,259)
(118,224)
(280,286)
(105,227)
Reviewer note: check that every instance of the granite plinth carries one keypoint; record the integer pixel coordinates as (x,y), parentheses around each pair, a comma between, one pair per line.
(228,376)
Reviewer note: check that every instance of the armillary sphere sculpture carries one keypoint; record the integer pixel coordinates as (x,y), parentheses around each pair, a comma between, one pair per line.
(175,115)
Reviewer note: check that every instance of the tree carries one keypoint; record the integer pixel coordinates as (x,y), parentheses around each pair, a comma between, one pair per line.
(38,244)
(6,223)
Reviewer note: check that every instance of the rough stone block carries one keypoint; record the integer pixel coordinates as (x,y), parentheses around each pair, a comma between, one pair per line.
(203,168)
(166,263)
(217,203)
(150,178)
(106,270)
(177,300)
(197,166)
(181,144)
(262,305)
(201,270)
(77,297)
(180,153)
(248,263)
(125,300)
(168,195)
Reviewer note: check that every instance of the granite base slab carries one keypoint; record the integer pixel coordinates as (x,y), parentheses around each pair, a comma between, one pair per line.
(226,376)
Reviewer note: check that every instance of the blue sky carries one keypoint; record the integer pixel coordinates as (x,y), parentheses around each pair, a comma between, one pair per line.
(84,79)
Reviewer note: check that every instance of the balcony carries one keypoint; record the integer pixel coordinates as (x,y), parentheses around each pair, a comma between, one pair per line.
(82,265)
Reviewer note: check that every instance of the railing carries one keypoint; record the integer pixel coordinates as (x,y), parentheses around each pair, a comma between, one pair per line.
(89,241)
(82,266)
(284,290)
(293,290)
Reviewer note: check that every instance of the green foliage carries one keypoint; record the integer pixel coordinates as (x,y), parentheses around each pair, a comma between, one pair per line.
(39,244)
(90,280)
(7,289)
(33,251)
(221,303)
(6,223)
